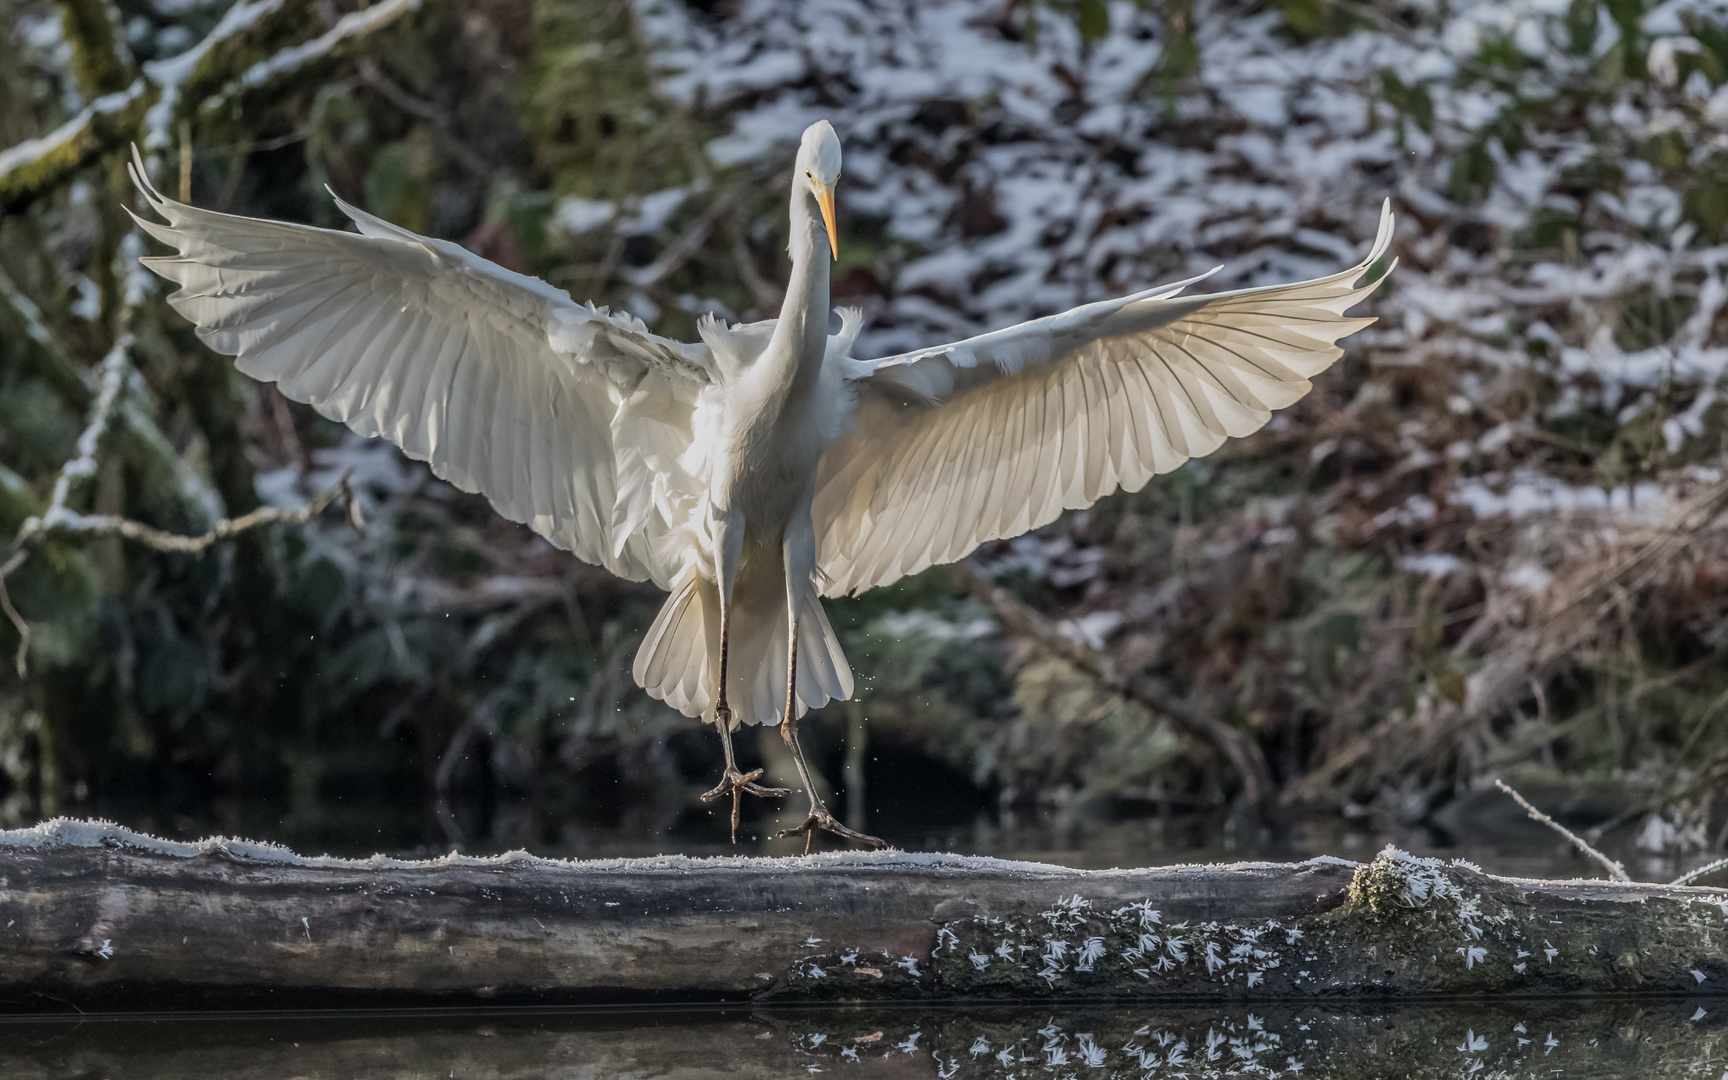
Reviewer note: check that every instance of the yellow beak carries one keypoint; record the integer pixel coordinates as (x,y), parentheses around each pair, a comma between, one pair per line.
(825,199)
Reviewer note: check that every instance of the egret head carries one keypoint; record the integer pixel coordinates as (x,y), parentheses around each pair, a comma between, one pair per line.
(819,170)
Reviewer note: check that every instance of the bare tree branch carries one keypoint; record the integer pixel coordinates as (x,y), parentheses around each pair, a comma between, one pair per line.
(687,244)
(1234,745)
(1615,870)
(40,350)
(96,526)
(20,661)
(463,154)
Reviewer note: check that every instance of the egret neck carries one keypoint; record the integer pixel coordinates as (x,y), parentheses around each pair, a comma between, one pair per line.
(803,326)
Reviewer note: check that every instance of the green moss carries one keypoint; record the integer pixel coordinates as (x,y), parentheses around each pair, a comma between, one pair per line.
(1377,891)
(100,62)
(17,501)
(600,130)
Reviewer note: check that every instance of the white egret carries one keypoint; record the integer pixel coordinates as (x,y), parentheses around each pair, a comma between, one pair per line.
(764,467)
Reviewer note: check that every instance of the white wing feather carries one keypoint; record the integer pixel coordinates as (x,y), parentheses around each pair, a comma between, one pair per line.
(503,384)
(986,438)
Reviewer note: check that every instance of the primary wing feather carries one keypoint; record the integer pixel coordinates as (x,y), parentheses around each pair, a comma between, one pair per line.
(986,438)
(503,384)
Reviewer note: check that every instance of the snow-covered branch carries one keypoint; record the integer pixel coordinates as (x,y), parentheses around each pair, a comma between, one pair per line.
(214,74)
(37,165)
(69,523)
(118,387)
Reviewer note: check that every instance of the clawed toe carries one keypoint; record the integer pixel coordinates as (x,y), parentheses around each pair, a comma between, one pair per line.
(737,785)
(734,782)
(821,819)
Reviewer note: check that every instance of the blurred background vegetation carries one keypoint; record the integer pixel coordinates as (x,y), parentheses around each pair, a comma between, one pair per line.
(1490,542)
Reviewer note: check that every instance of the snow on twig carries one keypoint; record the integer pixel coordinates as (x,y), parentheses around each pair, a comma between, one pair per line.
(1703,871)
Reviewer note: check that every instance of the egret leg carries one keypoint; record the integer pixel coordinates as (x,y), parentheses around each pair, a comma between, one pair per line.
(819,818)
(729,542)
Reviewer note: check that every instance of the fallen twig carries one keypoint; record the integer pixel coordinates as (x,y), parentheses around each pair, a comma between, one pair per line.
(1703,871)
(1617,871)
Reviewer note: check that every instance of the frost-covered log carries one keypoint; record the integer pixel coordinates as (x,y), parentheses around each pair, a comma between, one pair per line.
(98,916)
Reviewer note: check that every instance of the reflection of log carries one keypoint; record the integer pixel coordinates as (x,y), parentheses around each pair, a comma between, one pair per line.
(98,916)
(1323,1041)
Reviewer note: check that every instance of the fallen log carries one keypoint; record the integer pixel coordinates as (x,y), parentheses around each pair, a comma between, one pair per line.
(98,917)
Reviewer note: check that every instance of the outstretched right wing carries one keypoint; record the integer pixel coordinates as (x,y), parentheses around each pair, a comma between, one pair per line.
(503,384)
(986,438)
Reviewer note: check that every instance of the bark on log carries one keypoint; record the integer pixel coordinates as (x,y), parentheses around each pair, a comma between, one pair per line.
(99,917)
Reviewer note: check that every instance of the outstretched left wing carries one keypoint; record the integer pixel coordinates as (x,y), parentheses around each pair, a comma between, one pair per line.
(989,437)
(501,382)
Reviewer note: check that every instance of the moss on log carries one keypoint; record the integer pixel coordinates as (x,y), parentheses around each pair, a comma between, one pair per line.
(100,917)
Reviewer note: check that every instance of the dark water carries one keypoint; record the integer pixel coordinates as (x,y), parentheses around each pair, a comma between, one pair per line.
(1533,1038)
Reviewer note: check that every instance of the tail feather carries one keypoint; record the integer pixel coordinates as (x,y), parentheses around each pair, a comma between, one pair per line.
(679,658)
(672,663)
(819,654)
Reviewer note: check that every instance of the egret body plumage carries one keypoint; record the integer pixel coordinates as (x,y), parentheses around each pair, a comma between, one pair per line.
(763,467)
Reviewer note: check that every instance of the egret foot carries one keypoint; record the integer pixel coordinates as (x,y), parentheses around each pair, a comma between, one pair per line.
(821,819)
(732,782)
(738,784)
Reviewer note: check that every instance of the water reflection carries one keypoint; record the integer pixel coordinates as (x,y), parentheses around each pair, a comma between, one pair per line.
(1668,1038)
